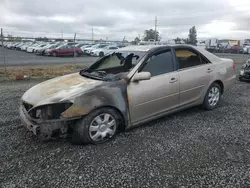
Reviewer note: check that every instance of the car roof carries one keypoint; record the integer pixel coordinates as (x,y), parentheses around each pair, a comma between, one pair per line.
(146,48)
(143,48)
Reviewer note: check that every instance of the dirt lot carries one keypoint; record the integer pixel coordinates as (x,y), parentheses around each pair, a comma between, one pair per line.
(192,148)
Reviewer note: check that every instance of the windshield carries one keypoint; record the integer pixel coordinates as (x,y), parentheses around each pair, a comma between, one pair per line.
(53,46)
(95,46)
(114,66)
(60,46)
(102,46)
(87,46)
(79,45)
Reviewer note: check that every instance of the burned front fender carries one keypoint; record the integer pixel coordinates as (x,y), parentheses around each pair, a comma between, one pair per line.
(110,94)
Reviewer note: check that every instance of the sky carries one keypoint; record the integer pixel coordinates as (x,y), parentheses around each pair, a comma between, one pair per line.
(116,19)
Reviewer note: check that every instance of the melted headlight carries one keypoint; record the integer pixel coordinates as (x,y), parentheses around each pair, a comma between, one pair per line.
(49,112)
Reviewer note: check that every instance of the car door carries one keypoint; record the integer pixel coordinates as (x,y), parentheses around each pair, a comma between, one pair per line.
(71,50)
(195,73)
(149,98)
(67,50)
(62,50)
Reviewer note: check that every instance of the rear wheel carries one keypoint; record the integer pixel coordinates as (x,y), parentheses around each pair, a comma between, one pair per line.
(212,97)
(240,79)
(97,127)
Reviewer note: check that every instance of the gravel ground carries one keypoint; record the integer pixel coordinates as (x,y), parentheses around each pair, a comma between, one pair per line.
(192,148)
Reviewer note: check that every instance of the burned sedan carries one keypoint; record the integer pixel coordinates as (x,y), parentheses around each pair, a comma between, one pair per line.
(123,89)
(245,71)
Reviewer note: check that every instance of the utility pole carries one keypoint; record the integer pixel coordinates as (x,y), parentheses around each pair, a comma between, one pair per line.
(155,28)
(75,49)
(92,35)
(5,69)
(62,34)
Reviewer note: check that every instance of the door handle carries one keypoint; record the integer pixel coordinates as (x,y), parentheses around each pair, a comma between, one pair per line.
(209,70)
(173,80)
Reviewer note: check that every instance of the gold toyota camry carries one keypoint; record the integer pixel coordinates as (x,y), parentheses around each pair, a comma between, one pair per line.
(123,89)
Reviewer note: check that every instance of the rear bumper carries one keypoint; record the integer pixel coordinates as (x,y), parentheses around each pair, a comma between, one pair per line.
(229,83)
(44,130)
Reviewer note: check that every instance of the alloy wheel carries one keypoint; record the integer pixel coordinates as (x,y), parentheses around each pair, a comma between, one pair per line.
(213,96)
(102,127)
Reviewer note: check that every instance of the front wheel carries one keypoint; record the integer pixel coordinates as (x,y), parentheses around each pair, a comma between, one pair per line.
(97,127)
(212,97)
(101,54)
(54,54)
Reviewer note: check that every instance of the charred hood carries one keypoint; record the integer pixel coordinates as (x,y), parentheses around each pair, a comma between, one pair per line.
(59,89)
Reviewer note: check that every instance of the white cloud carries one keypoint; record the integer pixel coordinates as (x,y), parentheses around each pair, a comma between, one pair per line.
(115,19)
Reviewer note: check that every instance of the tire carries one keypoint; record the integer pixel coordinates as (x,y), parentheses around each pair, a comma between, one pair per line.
(54,54)
(82,133)
(240,79)
(212,97)
(101,54)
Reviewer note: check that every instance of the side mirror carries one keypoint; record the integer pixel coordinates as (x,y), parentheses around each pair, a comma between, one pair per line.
(141,76)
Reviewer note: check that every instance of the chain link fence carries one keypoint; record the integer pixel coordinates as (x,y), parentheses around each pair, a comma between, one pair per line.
(21,58)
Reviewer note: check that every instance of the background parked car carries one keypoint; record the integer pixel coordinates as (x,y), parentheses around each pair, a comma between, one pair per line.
(246,49)
(96,46)
(42,50)
(32,48)
(64,50)
(39,47)
(24,47)
(103,51)
(245,72)
(85,47)
(236,49)
(79,45)
(18,47)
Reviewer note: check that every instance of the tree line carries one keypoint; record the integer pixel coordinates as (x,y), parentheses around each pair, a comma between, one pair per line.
(152,35)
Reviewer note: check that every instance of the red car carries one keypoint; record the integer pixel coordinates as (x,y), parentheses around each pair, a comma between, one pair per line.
(236,49)
(64,50)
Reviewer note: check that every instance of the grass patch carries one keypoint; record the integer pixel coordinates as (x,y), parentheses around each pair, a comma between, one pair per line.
(41,71)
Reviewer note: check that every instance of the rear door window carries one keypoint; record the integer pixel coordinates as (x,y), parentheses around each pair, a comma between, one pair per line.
(188,58)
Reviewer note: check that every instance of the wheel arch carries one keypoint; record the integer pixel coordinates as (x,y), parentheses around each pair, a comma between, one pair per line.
(220,83)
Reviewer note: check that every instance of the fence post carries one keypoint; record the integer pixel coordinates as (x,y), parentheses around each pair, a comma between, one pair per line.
(75,50)
(3,52)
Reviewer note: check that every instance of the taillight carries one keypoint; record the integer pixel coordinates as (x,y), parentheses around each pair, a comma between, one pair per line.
(234,66)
